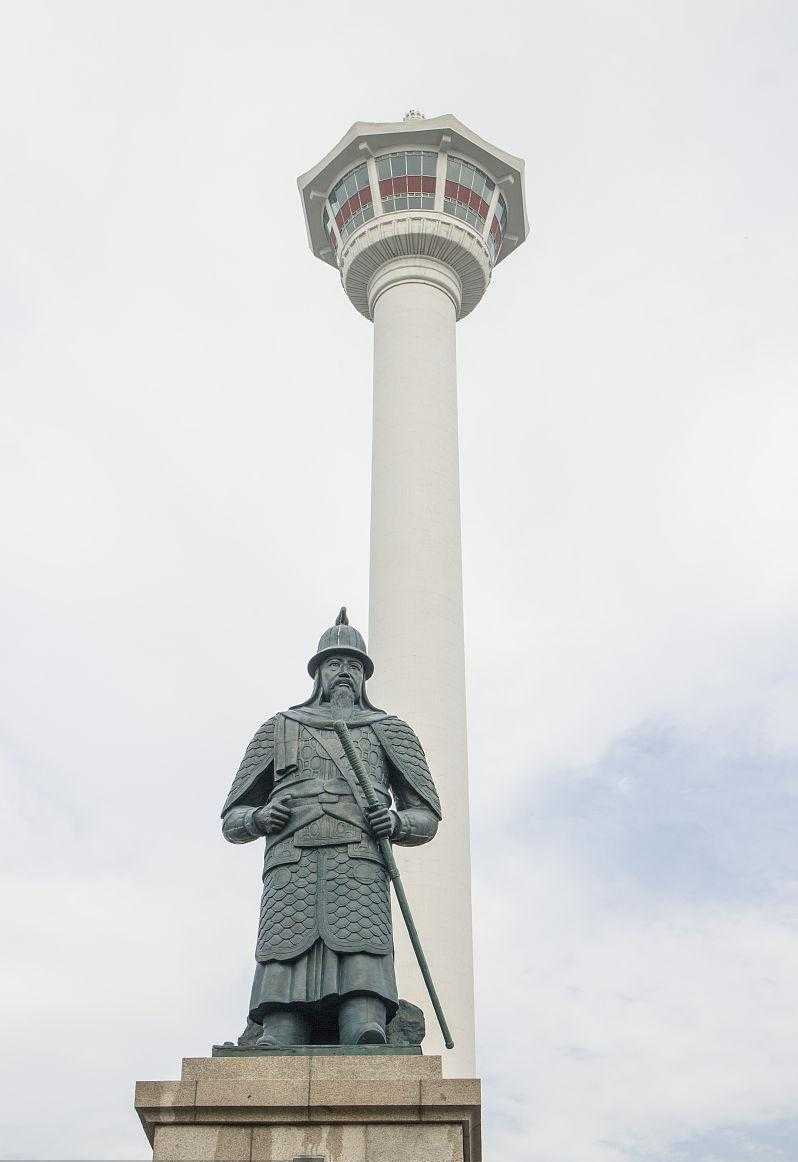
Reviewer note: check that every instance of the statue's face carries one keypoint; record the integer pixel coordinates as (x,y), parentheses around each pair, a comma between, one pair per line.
(341,672)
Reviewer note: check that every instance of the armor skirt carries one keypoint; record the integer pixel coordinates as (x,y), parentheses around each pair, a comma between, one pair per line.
(320,979)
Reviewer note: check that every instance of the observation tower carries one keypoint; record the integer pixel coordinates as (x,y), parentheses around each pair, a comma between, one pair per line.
(415,215)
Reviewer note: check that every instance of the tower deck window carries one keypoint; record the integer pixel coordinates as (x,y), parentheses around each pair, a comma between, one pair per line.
(328,229)
(497,228)
(468,193)
(407,180)
(351,201)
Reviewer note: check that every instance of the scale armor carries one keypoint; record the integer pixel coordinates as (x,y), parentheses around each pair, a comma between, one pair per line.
(324,876)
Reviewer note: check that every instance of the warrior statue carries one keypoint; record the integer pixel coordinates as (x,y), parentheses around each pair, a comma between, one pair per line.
(325,971)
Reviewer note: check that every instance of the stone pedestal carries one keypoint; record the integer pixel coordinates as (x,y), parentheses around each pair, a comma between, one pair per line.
(312,1109)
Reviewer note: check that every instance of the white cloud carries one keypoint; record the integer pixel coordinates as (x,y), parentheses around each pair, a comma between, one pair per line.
(182,381)
(609,1027)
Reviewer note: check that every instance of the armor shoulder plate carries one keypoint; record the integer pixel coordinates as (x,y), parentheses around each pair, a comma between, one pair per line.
(259,754)
(407,755)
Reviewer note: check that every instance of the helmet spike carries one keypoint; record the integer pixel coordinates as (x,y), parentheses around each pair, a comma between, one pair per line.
(342,619)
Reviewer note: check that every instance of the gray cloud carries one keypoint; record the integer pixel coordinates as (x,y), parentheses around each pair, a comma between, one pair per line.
(679,815)
(766,1141)
(638,915)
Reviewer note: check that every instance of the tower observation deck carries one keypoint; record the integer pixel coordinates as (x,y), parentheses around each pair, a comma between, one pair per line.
(415,215)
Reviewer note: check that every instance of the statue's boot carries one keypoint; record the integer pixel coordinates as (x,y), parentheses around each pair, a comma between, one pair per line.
(283,1027)
(250,1034)
(361,1021)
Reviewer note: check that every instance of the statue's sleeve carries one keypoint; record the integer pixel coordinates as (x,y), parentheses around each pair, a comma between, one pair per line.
(239,826)
(415,823)
(252,784)
(418,808)
(410,769)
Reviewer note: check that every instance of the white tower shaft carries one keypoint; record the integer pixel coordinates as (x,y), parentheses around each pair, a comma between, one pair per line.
(416,616)
(415,216)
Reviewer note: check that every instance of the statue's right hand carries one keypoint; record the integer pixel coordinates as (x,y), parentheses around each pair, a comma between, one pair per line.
(274,817)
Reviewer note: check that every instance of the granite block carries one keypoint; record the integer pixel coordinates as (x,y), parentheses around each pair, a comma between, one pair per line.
(202,1143)
(338,1143)
(450,1091)
(263,1067)
(347,1099)
(408,1143)
(375,1068)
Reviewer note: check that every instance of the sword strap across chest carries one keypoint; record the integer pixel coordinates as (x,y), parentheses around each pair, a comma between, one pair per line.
(329,742)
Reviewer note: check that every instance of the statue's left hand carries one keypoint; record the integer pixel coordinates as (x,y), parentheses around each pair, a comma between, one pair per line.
(381,822)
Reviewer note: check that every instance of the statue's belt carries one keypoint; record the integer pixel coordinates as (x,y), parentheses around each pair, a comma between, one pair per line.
(324,794)
(327,831)
(312,825)
(306,813)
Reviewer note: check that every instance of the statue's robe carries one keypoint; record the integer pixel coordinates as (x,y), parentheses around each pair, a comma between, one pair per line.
(325,917)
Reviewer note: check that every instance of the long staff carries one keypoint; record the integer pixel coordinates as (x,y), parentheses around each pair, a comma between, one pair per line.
(356,763)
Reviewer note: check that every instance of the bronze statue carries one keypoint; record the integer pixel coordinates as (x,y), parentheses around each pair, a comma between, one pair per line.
(331,784)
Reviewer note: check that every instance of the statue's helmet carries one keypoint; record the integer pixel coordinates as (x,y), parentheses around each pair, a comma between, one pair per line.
(341,638)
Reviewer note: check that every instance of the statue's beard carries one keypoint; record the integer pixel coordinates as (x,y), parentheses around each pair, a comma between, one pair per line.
(342,697)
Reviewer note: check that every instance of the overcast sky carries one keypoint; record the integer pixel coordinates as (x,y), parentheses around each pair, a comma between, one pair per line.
(184,479)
